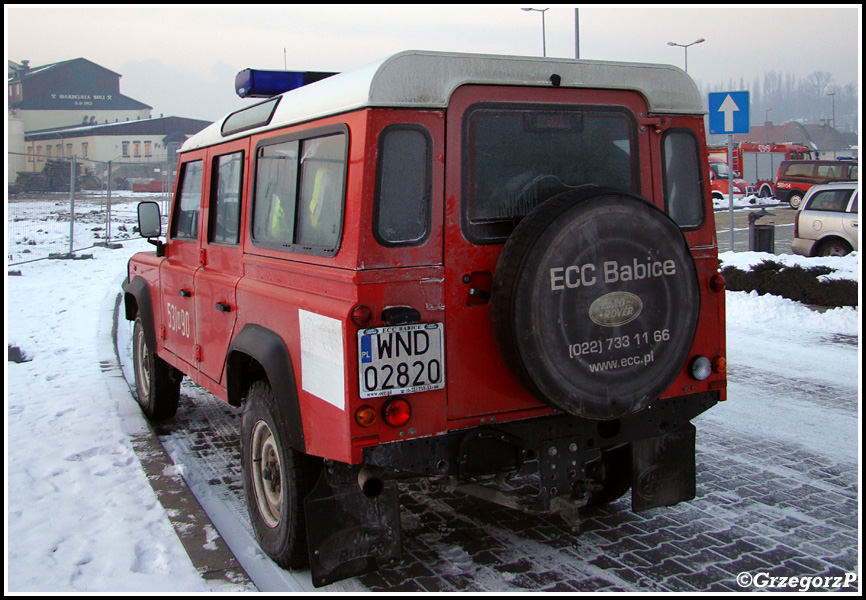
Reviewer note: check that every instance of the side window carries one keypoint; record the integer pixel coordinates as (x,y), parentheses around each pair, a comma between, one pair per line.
(828,171)
(682,178)
(830,200)
(225,208)
(184,224)
(276,188)
(320,198)
(299,189)
(403,186)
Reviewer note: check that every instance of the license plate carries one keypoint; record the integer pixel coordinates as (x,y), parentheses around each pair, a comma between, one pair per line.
(400,360)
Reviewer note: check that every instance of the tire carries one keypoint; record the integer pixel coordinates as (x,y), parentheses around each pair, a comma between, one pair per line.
(834,248)
(794,199)
(595,303)
(276,480)
(157,384)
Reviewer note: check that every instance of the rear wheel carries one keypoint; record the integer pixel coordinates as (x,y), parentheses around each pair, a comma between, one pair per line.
(276,480)
(795,199)
(834,248)
(157,384)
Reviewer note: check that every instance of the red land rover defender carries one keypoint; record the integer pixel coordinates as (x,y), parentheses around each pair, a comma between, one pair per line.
(487,270)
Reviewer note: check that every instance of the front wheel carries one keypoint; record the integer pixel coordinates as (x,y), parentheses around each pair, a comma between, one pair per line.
(157,384)
(276,480)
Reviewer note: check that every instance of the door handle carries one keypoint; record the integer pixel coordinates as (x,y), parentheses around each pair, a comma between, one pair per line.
(223,307)
(184,293)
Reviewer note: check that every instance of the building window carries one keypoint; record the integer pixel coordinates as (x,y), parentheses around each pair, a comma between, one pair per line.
(68,149)
(136,148)
(124,149)
(84,149)
(147,148)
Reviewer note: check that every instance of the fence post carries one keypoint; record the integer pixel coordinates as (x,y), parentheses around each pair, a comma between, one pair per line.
(108,212)
(71,205)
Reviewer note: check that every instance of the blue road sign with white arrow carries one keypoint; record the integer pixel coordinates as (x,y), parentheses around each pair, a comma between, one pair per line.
(729,112)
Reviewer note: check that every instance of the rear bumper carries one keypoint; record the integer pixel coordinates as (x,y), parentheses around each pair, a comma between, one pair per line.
(802,246)
(557,448)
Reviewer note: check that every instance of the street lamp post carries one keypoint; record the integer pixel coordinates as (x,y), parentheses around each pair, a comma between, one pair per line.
(686,48)
(543,32)
(832,94)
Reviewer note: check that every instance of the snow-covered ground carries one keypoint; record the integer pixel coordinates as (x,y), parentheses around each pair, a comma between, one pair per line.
(82,517)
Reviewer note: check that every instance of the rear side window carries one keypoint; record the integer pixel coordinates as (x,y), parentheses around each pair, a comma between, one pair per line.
(830,200)
(226,198)
(682,178)
(403,186)
(299,190)
(518,157)
(276,187)
(184,224)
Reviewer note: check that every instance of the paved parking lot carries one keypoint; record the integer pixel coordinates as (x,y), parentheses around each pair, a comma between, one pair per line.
(782,221)
(764,509)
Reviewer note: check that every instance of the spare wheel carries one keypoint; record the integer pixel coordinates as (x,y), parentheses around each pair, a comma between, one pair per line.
(595,302)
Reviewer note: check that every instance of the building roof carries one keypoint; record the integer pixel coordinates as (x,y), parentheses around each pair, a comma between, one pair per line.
(162,126)
(818,137)
(419,79)
(76,84)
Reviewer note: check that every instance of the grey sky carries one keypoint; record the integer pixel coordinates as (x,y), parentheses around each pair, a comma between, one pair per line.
(182,59)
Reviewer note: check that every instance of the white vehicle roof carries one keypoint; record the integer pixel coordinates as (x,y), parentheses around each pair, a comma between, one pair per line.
(421,79)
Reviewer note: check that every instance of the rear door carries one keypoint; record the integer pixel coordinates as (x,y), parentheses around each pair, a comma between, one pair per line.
(508,150)
(221,255)
(851,221)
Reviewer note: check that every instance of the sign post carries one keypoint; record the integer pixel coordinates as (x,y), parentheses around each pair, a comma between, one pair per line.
(729,113)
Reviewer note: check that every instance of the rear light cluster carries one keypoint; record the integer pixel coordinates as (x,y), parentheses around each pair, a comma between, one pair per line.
(396,412)
(702,367)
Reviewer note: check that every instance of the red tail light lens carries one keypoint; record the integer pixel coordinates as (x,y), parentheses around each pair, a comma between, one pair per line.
(362,315)
(717,283)
(396,412)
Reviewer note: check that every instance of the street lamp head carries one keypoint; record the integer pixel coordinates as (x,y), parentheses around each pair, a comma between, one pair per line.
(699,41)
(672,44)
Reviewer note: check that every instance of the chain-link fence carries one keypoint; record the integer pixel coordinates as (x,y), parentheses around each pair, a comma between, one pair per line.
(58,206)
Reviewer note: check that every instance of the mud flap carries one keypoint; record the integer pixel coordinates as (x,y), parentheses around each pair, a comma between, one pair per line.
(349,534)
(663,469)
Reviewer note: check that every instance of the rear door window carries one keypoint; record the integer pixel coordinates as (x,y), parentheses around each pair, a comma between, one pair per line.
(520,156)
(225,209)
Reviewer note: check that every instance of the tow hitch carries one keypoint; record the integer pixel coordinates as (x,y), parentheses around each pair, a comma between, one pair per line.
(353,523)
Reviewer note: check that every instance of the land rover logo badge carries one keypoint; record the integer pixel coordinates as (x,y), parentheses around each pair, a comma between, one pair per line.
(615,308)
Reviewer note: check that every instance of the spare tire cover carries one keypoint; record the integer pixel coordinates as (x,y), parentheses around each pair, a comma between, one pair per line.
(595,302)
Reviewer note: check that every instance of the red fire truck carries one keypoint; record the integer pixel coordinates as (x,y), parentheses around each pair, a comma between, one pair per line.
(498,273)
(758,163)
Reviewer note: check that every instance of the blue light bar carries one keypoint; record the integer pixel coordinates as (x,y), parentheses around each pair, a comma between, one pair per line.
(255,83)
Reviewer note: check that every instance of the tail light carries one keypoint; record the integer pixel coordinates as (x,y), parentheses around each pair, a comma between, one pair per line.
(397,412)
(797,224)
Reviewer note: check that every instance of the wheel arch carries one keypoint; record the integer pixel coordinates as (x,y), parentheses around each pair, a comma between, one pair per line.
(256,353)
(831,239)
(137,301)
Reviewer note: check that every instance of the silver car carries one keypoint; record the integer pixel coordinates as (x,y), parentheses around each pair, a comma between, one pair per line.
(826,222)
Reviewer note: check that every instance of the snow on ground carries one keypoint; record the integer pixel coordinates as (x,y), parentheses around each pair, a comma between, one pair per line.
(82,517)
